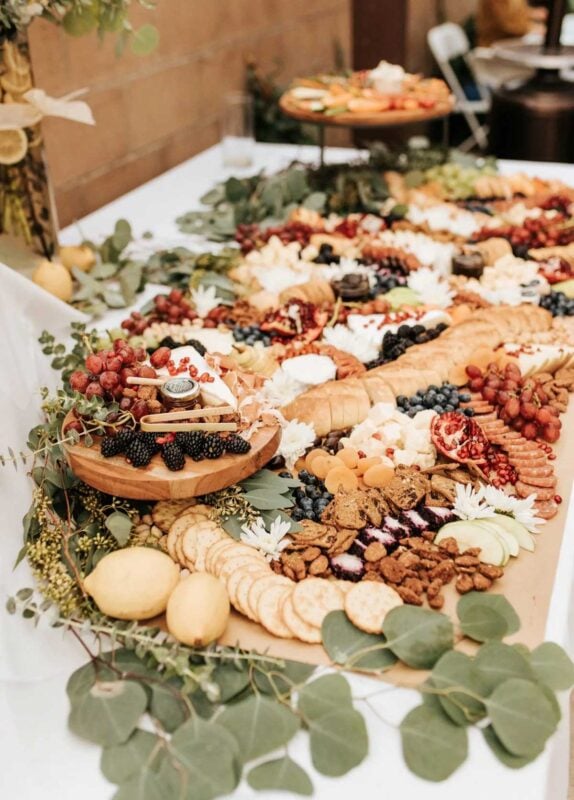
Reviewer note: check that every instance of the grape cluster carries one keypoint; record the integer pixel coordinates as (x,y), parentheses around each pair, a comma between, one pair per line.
(441,399)
(542,231)
(172,308)
(251,334)
(311,499)
(252,236)
(558,304)
(396,344)
(522,402)
(106,375)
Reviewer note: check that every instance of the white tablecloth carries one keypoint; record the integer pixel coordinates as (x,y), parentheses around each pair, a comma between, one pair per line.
(39,758)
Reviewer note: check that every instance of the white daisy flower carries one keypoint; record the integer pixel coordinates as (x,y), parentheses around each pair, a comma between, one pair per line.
(204,299)
(521,508)
(295,439)
(430,288)
(272,542)
(470,504)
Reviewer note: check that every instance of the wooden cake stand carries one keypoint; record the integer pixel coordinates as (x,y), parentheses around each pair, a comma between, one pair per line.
(156,482)
(384,119)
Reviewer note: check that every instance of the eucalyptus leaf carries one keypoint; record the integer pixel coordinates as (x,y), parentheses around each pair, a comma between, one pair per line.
(282,774)
(503,755)
(235,190)
(113,298)
(144,785)
(205,757)
(122,234)
(145,40)
(522,716)
(323,695)
(167,708)
(281,680)
(453,671)
(553,666)
(80,20)
(231,679)
(271,515)
(496,662)
(108,713)
(266,500)
(130,279)
(260,725)
(433,746)
(347,645)
(483,624)
(339,741)
(418,636)
(232,526)
(103,271)
(120,762)
(316,201)
(120,526)
(495,602)
(81,681)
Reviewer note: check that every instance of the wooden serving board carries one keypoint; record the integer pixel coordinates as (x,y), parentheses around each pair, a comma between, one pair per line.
(156,482)
(356,119)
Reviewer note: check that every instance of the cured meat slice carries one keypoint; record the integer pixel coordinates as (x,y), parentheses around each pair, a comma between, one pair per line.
(535,472)
(538,481)
(546,509)
(525,490)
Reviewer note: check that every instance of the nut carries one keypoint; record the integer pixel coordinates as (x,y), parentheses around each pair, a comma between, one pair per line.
(464,584)
(480,582)
(375,552)
(467,562)
(409,560)
(319,565)
(410,597)
(450,546)
(414,584)
(490,571)
(434,589)
(444,571)
(373,576)
(437,601)
(392,570)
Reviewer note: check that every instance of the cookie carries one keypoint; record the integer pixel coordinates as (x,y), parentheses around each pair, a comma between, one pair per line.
(269,609)
(368,603)
(314,598)
(165,512)
(299,628)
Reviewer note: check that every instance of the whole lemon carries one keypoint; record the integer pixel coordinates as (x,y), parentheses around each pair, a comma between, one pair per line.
(82,257)
(198,610)
(54,278)
(133,583)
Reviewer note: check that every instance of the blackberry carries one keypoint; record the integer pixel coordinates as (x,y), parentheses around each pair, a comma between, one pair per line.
(150,441)
(197,346)
(170,342)
(173,456)
(213,446)
(191,443)
(113,445)
(237,445)
(138,453)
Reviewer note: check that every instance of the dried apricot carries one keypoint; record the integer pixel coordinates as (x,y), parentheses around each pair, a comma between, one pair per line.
(349,457)
(366,463)
(378,476)
(322,464)
(312,455)
(341,478)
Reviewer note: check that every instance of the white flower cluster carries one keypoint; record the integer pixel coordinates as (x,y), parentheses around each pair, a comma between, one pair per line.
(430,287)
(437,255)
(269,542)
(488,500)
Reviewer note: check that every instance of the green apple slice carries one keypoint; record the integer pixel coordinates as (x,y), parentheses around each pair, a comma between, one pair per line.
(467,533)
(521,534)
(510,541)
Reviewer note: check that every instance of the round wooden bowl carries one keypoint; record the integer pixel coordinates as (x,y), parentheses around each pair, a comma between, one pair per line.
(156,482)
(355,119)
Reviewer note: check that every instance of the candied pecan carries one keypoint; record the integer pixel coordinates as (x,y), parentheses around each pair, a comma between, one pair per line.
(471,551)
(434,588)
(467,562)
(444,571)
(277,567)
(428,535)
(295,564)
(289,573)
(310,553)
(427,563)
(437,601)
(372,566)
(375,551)
(490,571)
(480,582)
(409,560)
(464,584)
(450,546)
(319,565)
(414,584)
(391,570)
(343,540)
(373,576)
(408,596)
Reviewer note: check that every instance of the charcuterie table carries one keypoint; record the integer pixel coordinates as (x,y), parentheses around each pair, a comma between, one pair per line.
(45,754)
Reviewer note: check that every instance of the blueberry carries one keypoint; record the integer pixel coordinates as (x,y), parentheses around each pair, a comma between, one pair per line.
(429,402)
(441,398)
(411,412)
(319,506)
(402,400)
(299,494)
(313,492)
(327,496)
(418,408)
(448,407)
(404,330)
(285,474)
(421,392)
(469,412)
(306,504)
(305,476)
(449,387)
(438,409)
(433,388)
(464,398)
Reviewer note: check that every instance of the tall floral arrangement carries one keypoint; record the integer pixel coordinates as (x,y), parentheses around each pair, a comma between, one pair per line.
(26,207)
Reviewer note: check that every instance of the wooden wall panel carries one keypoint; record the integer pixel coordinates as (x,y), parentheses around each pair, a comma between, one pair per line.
(156,111)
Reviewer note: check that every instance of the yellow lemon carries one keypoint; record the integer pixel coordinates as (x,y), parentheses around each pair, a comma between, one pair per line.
(198,610)
(82,257)
(13,145)
(54,278)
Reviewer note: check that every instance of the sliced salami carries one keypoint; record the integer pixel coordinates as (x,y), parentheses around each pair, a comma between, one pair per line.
(546,509)
(538,481)
(525,490)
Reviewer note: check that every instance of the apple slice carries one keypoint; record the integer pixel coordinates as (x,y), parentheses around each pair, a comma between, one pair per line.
(521,534)
(510,541)
(468,534)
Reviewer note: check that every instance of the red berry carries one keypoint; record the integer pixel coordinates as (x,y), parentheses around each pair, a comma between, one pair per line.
(529,431)
(109,380)
(473,371)
(176,295)
(139,409)
(550,433)
(79,381)
(94,390)
(94,364)
(114,363)
(160,357)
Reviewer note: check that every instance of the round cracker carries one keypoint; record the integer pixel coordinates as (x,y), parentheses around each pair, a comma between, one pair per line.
(368,603)
(165,512)
(314,598)
(238,562)
(208,534)
(212,553)
(179,551)
(299,628)
(344,586)
(259,585)
(269,609)
(246,581)
(246,571)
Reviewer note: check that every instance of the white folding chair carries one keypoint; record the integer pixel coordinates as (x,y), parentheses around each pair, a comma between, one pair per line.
(447,42)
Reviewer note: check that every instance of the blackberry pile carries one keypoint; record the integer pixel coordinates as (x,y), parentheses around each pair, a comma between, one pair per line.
(311,499)
(251,334)
(396,344)
(140,447)
(170,342)
(441,399)
(558,304)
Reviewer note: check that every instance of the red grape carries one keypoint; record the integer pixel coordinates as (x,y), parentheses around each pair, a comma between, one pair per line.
(139,409)
(114,363)
(473,371)
(94,364)
(510,385)
(476,384)
(512,407)
(528,410)
(530,431)
(176,295)
(160,357)
(489,393)
(147,372)
(550,433)
(126,373)
(502,397)
(94,390)
(543,416)
(109,380)
(79,381)
(126,403)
